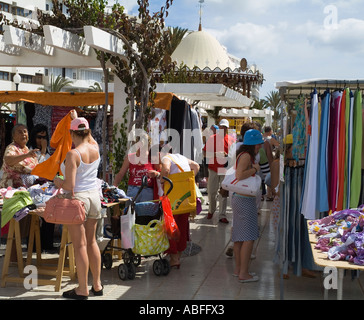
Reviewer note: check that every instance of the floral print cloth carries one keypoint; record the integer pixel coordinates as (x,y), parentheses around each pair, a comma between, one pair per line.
(13,176)
(299,130)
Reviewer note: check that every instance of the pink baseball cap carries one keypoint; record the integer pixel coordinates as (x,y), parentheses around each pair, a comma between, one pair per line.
(75,124)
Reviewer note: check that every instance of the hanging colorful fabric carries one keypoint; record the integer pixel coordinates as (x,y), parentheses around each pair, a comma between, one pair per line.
(357,151)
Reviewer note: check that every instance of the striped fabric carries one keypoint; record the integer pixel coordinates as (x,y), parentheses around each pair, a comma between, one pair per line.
(245,218)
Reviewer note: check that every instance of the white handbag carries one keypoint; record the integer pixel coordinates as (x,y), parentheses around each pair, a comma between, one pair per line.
(249,186)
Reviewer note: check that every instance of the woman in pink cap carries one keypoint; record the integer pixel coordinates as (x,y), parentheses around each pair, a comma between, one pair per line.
(80,173)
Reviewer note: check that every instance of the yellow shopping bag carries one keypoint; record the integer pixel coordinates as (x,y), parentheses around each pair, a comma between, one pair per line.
(150,239)
(183,194)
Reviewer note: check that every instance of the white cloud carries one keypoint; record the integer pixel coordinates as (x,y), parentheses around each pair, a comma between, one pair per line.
(251,6)
(346,36)
(250,39)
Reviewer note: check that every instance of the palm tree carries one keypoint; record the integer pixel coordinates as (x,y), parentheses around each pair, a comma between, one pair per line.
(58,84)
(273,100)
(260,105)
(96,87)
(176,35)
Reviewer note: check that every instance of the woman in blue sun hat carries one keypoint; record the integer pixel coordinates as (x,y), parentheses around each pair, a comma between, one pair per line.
(245,213)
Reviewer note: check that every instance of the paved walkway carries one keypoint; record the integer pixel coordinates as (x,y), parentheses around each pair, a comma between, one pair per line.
(206,275)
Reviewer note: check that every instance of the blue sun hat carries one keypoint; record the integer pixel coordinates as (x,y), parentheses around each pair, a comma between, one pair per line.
(253,137)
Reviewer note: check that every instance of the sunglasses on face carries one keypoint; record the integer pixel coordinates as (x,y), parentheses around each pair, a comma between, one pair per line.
(41,137)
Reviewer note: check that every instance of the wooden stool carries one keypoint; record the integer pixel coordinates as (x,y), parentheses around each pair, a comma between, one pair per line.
(59,271)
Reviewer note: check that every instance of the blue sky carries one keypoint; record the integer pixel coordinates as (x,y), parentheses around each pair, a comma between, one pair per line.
(286,39)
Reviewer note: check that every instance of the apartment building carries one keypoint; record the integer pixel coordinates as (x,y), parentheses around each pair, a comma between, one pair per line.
(24,12)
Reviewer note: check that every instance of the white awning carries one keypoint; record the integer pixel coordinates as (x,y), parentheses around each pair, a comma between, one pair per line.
(207,95)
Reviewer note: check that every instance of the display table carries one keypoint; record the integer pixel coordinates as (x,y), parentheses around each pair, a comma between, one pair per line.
(44,266)
(64,265)
(321,260)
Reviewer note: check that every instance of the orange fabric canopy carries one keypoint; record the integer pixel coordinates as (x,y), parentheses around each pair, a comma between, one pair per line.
(66,99)
(74,99)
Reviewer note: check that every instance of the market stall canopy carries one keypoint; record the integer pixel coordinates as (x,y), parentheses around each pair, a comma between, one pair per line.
(207,95)
(290,90)
(65,99)
(74,99)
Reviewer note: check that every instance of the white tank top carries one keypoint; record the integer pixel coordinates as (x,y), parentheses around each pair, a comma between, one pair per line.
(181,160)
(86,175)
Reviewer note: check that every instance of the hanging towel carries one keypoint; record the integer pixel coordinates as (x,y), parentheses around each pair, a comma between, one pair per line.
(310,187)
(348,133)
(341,153)
(333,144)
(62,142)
(357,151)
(322,204)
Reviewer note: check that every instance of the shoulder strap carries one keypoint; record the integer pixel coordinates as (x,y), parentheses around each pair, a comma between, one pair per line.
(179,167)
(79,153)
(237,159)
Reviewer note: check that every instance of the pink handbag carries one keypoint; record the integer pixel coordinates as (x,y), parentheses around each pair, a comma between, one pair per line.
(61,210)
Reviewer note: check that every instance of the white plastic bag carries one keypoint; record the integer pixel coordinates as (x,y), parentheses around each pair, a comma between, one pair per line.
(127,222)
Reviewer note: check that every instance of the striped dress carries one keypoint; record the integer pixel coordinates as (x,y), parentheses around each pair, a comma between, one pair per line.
(245,217)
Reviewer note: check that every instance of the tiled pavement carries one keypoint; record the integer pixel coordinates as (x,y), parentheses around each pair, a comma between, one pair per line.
(206,275)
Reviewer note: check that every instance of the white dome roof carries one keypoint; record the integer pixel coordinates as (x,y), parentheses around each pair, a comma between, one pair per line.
(202,50)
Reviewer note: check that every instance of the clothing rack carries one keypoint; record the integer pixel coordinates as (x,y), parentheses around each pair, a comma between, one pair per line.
(290,91)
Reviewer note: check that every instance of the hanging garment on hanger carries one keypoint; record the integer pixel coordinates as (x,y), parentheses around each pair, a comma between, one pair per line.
(348,142)
(333,149)
(357,151)
(196,136)
(43,115)
(179,119)
(341,153)
(310,187)
(350,152)
(292,245)
(322,203)
(22,116)
(299,130)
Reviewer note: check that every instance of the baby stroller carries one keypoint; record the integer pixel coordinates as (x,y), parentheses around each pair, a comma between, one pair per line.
(148,227)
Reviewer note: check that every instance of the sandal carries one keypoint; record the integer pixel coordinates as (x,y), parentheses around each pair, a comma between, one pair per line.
(252,279)
(98,293)
(71,294)
(269,199)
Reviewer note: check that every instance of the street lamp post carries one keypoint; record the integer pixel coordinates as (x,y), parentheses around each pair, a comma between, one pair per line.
(17,79)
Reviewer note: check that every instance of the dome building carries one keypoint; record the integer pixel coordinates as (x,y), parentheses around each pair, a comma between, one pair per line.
(227,82)
(202,50)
